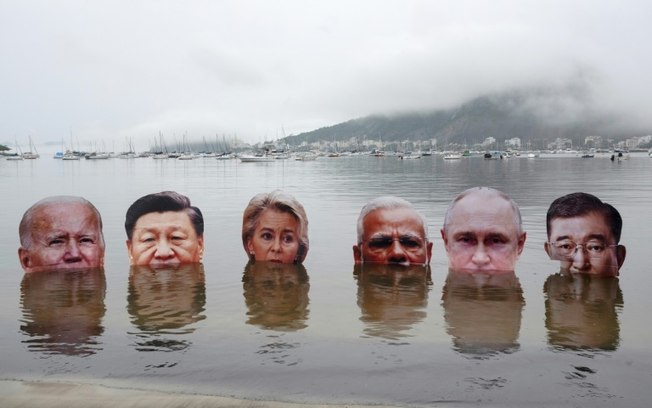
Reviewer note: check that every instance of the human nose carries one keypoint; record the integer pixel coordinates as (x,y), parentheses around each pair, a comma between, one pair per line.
(480,255)
(163,250)
(72,254)
(397,253)
(277,245)
(580,258)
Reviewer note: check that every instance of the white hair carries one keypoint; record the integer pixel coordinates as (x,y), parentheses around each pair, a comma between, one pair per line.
(387,203)
(26,223)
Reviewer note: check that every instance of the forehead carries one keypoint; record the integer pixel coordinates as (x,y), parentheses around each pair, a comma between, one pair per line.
(393,219)
(167,219)
(483,211)
(580,227)
(270,218)
(65,216)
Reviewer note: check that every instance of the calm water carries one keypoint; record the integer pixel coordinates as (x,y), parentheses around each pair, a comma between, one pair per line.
(320,333)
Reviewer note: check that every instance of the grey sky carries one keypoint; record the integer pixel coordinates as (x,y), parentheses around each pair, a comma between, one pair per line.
(106,70)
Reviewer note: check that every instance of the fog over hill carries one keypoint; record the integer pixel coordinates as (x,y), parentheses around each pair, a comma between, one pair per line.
(537,116)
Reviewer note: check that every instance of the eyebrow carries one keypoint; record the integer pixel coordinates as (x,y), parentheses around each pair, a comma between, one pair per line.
(57,236)
(273,230)
(600,237)
(381,235)
(497,235)
(156,229)
(461,233)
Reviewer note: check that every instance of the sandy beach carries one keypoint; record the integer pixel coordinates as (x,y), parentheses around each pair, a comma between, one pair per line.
(18,394)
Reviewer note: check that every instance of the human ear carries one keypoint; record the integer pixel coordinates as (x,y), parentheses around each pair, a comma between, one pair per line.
(25,259)
(444,237)
(357,254)
(129,247)
(200,245)
(250,249)
(546,247)
(620,255)
(521,242)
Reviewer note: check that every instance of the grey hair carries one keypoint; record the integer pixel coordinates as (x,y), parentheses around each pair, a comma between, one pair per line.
(387,203)
(27,222)
(280,201)
(489,191)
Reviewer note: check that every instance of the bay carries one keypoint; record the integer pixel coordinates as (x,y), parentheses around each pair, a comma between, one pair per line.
(332,338)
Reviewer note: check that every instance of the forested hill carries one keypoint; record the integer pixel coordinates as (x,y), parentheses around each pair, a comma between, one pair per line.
(535,117)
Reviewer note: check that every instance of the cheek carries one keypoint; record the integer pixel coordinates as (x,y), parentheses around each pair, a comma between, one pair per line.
(50,255)
(45,257)
(140,250)
(92,251)
(460,256)
(604,265)
(418,257)
(259,244)
(289,257)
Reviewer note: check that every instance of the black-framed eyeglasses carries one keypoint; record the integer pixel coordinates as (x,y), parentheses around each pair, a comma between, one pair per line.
(594,248)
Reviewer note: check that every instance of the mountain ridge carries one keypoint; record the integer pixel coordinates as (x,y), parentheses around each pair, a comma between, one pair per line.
(536,116)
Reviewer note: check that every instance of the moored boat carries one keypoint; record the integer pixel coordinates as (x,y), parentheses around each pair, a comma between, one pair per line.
(247,158)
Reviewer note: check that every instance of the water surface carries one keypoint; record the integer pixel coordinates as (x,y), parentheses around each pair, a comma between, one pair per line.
(327,332)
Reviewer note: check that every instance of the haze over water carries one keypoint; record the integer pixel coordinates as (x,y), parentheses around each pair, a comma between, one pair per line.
(317,333)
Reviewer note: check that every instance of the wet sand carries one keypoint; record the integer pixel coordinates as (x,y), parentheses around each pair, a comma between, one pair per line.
(19,394)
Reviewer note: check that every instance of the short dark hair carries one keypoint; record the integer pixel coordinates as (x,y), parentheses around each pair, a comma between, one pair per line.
(162,202)
(581,204)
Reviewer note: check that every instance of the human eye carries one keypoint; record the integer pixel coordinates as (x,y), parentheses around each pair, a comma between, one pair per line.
(465,239)
(411,242)
(288,239)
(55,242)
(177,237)
(564,245)
(595,247)
(148,238)
(379,242)
(496,240)
(267,236)
(86,240)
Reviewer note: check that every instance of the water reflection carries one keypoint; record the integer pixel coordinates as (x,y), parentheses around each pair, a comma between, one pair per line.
(63,311)
(582,311)
(164,303)
(276,295)
(392,298)
(483,312)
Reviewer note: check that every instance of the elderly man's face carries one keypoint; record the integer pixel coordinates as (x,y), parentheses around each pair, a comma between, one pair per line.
(393,236)
(165,239)
(64,236)
(482,235)
(585,245)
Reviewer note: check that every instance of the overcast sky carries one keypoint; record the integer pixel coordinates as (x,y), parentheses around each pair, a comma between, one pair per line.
(257,69)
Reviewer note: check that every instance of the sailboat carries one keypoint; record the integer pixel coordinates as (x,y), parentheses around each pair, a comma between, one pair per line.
(32,153)
(130,153)
(70,153)
(16,156)
(380,152)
